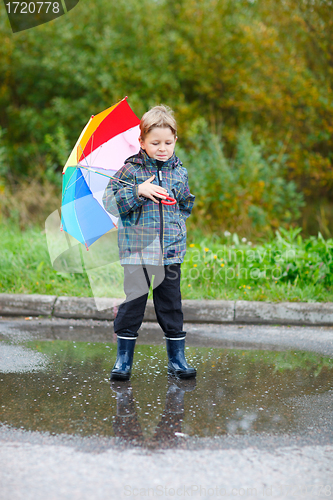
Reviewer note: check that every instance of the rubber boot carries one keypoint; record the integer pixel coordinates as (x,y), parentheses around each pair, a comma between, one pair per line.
(169,428)
(174,400)
(125,402)
(177,365)
(123,365)
(125,424)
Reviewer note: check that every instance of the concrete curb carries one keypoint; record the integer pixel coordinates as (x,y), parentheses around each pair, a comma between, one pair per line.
(195,311)
(26,305)
(287,313)
(86,308)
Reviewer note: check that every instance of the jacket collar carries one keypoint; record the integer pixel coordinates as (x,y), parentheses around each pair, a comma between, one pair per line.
(143,159)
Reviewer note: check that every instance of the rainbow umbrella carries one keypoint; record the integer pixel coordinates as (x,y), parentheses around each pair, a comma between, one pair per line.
(104,144)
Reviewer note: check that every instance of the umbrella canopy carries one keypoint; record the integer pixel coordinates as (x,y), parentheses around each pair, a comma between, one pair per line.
(104,144)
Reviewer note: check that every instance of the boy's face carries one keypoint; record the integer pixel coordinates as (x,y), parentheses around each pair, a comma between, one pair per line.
(159,143)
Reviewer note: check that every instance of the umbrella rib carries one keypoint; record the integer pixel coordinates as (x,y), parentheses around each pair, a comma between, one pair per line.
(66,187)
(84,154)
(87,167)
(105,175)
(96,172)
(97,151)
(78,225)
(77,220)
(86,163)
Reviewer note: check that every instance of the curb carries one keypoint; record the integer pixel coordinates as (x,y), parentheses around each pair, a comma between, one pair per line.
(195,311)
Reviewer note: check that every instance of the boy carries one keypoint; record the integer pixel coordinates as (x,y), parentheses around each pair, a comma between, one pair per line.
(151,238)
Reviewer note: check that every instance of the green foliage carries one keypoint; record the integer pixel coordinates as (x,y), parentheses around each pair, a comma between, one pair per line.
(57,155)
(264,67)
(247,193)
(4,166)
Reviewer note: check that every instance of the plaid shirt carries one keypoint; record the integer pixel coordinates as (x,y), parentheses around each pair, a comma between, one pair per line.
(148,232)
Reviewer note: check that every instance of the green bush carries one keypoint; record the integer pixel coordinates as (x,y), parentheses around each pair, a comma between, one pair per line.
(246,194)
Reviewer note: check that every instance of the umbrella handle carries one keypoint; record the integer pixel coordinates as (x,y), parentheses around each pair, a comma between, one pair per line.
(171,201)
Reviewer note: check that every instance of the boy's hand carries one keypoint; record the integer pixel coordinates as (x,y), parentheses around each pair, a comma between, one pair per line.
(149,190)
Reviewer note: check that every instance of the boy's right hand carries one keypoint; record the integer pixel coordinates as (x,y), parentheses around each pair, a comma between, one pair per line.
(149,190)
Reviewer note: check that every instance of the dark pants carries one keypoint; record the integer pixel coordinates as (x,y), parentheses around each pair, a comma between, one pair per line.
(166,296)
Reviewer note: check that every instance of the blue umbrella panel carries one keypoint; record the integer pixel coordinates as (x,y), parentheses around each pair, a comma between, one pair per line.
(82,213)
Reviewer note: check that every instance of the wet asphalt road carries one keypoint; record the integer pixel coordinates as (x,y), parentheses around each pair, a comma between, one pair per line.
(293,463)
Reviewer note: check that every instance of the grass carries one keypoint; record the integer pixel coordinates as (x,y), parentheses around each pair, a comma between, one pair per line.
(287,268)
(25,266)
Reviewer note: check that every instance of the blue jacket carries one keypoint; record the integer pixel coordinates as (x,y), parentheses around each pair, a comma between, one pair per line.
(149,232)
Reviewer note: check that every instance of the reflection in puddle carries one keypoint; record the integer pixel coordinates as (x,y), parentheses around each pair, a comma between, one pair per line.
(20,359)
(236,392)
(126,423)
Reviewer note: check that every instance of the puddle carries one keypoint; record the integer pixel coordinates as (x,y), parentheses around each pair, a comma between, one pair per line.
(62,386)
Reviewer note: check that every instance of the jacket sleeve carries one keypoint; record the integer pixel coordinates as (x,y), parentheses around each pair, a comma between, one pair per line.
(187,200)
(109,200)
(120,198)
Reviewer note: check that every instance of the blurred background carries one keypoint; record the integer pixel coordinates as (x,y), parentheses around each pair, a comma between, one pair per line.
(250,82)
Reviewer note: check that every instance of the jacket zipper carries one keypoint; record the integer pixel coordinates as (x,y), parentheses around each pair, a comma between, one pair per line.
(139,215)
(161,212)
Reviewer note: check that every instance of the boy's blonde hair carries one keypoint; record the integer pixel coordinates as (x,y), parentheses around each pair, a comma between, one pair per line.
(158,116)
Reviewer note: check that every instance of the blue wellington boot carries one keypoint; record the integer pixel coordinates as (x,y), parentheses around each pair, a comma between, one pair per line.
(177,365)
(123,365)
